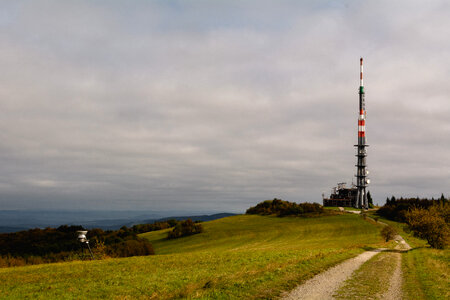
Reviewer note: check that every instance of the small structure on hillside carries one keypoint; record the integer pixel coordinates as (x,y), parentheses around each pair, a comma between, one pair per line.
(342,196)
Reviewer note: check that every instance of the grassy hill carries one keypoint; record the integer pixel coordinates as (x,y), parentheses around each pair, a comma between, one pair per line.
(244,256)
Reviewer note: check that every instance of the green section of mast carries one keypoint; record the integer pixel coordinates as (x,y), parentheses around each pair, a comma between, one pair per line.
(361,90)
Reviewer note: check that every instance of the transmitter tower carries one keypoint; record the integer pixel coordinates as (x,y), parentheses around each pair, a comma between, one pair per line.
(361,153)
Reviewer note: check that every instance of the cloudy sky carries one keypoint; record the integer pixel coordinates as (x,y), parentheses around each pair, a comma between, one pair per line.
(217,105)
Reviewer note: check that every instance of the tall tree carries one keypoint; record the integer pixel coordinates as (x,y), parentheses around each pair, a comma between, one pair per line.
(369,199)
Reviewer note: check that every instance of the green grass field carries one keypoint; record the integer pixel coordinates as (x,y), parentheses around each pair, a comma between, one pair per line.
(236,257)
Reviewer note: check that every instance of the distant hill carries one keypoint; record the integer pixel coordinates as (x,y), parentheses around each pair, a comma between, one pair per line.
(8,229)
(202,218)
(13,221)
(116,224)
(10,220)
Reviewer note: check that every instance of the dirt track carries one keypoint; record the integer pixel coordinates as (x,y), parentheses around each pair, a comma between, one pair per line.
(395,288)
(325,284)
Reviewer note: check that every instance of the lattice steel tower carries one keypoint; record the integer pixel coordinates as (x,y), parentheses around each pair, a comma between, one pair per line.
(361,173)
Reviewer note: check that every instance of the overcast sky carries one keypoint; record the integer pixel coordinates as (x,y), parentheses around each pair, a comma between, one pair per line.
(218,105)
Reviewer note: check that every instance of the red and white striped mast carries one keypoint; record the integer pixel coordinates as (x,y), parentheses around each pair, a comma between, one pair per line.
(361,172)
(362,112)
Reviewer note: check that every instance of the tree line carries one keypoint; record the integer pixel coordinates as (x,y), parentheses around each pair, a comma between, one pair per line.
(36,246)
(427,219)
(60,244)
(396,209)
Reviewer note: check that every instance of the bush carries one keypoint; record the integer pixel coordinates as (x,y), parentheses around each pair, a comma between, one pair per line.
(100,250)
(431,224)
(282,208)
(185,228)
(388,233)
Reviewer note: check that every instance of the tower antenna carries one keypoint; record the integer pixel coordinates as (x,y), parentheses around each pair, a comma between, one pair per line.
(361,172)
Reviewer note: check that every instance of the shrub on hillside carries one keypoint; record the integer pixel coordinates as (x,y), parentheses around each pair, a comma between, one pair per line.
(185,228)
(388,233)
(431,224)
(284,208)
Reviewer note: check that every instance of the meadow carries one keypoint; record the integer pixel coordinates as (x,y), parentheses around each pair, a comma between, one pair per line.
(245,256)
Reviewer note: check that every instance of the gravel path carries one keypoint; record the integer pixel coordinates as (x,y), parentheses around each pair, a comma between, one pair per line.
(395,288)
(323,286)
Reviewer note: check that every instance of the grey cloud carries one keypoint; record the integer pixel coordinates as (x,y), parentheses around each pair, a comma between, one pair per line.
(215,106)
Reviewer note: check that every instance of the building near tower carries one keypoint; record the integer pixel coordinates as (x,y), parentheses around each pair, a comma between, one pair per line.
(342,196)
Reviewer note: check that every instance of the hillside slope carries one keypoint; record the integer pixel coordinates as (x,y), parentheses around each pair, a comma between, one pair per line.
(248,232)
(236,257)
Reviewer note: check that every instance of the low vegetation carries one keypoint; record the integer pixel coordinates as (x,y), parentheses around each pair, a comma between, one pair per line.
(282,208)
(185,228)
(239,257)
(388,233)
